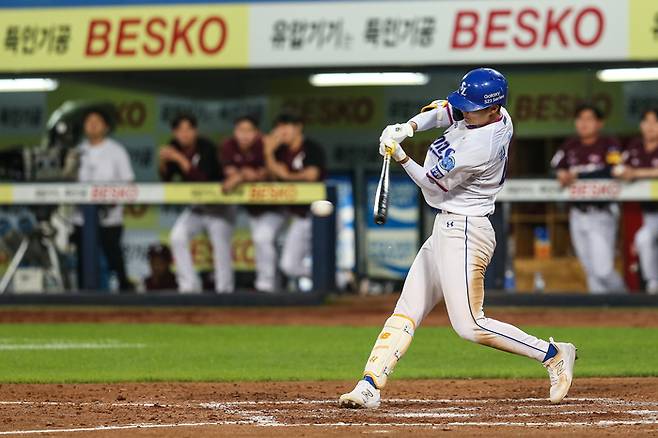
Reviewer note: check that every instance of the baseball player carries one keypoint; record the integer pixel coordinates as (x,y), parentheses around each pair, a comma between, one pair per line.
(640,160)
(244,161)
(291,156)
(464,169)
(592,225)
(196,159)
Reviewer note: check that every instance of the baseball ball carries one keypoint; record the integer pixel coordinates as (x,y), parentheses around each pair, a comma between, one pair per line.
(322,208)
(618,170)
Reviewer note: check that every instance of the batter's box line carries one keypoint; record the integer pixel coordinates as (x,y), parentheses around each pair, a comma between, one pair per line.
(551,424)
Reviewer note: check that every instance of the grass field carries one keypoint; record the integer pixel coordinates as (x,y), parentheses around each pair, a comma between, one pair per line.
(159,352)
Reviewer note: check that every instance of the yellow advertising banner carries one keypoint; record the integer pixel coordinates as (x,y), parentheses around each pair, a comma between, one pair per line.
(115,38)
(643,29)
(263,193)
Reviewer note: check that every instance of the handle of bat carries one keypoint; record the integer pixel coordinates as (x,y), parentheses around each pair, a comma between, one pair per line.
(381,196)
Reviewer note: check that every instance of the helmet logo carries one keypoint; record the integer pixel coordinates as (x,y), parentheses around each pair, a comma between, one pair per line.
(462,88)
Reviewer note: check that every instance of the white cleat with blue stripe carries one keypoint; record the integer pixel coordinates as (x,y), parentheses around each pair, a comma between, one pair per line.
(363,396)
(560,370)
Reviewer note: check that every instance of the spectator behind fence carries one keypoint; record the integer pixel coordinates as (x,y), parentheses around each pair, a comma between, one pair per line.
(290,156)
(640,160)
(592,225)
(243,161)
(161,277)
(103,159)
(193,158)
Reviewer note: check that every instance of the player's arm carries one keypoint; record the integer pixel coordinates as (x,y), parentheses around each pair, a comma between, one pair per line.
(562,172)
(631,173)
(438,114)
(307,174)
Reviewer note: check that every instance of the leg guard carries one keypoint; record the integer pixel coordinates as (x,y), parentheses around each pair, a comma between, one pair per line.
(391,344)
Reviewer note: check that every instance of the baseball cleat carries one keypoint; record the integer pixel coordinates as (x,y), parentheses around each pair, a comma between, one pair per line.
(363,396)
(560,369)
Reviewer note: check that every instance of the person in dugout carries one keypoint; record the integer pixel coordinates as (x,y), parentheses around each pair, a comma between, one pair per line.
(161,277)
(640,160)
(101,160)
(193,158)
(291,156)
(592,225)
(244,161)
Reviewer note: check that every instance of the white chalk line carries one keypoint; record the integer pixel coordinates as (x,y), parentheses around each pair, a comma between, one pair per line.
(265,419)
(11,344)
(580,401)
(551,424)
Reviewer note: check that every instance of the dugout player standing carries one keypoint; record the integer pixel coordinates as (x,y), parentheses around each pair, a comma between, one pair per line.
(193,158)
(592,225)
(103,159)
(640,160)
(463,172)
(244,161)
(291,156)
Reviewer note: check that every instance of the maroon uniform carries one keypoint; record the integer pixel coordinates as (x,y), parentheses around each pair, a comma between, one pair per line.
(588,161)
(203,158)
(593,225)
(637,156)
(254,157)
(310,154)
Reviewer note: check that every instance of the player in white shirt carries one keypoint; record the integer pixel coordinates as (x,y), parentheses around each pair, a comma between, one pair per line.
(463,171)
(103,160)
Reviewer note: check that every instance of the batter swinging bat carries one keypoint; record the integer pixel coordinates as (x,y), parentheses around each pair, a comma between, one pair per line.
(380,210)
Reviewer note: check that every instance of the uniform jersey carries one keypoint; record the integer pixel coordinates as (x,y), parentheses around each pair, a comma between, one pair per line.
(588,161)
(233,155)
(637,156)
(253,157)
(310,154)
(465,167)
(204,159)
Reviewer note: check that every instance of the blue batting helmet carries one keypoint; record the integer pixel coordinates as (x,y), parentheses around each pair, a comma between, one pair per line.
(479,89)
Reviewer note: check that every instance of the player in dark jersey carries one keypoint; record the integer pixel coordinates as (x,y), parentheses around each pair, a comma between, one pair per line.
(244,161)
(640,160)
(291,156)
(592,225)
(190,157)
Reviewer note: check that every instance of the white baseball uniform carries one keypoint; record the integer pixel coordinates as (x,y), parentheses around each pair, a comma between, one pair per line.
(463,171)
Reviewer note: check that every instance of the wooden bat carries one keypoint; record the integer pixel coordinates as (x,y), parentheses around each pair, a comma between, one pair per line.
(380,210)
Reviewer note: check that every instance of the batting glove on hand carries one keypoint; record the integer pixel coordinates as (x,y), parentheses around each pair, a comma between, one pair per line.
(397,133)
(394,148)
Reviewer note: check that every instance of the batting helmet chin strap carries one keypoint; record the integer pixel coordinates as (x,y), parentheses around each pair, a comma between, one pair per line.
(391,344)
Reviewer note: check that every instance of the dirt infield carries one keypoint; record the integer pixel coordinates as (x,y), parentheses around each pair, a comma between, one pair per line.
(491,408)
(357,311)
(615,406)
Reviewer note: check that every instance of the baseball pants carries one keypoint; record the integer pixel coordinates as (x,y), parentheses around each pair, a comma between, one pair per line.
(646,244)
(594,235)
(450,266)
(219,228)
(296,251)
(264,230)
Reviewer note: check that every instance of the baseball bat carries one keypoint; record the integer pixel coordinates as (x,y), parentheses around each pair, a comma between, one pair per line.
(380,210)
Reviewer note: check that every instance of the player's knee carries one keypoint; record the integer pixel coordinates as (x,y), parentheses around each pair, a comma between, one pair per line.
(178,238)
(644,238)
(262,238)
(288,267)
(467,331)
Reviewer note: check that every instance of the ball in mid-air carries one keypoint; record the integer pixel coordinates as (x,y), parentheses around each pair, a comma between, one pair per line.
(322,208)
